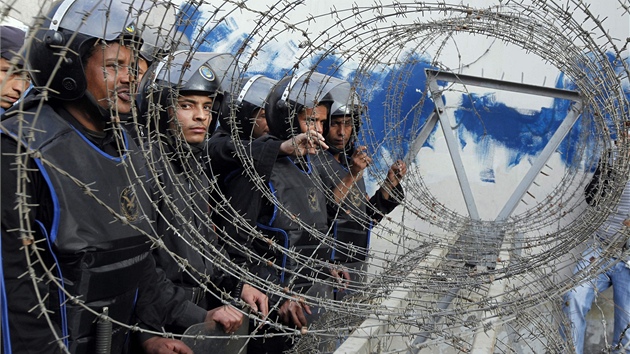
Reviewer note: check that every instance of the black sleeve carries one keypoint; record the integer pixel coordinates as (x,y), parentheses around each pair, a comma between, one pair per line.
(226,283)
(29,332)
(381,206)
(160,302)
(164,303)
(224,156)
(246,200)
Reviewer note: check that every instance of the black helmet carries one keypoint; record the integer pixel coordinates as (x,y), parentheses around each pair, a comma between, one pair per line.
(251,96)
(185,72)
(346,103)
(55,57)
(291,95)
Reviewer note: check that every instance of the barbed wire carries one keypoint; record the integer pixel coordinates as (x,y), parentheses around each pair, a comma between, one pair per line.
(453,276)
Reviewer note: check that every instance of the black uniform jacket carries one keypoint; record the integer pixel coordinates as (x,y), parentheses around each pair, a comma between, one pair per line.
(85,257)
(180,189)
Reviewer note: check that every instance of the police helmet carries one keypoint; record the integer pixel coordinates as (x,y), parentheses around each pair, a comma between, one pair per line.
(291,95)
(55,57)
(346,104)
(160,35)
(251,97)
(186,72)
(154,46)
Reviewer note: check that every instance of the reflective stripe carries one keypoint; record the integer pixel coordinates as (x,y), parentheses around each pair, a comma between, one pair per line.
(62,295)
(246,87)
(4,308)
(59,14)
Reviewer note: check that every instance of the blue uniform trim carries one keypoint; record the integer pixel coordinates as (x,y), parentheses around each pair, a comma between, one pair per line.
(114,158)
(128,335)
(51,237)
(334,249)
(62,295)
(275,205)
(286,246)
(340,164)
(308,164)
(56,212)
(4,308)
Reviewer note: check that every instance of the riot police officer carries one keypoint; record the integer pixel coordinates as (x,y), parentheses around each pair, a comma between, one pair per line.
(183,94)
(76,263)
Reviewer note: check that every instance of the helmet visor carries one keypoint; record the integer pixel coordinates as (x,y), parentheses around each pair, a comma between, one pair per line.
(197,71)
(310,89)
(105,19)
(346,101)
(256,90)
(159,32)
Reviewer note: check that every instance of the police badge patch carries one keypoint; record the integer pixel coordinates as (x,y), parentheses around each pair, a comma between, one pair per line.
(130,28)
(356,197)
(129,204)
(313,203)
(206,73)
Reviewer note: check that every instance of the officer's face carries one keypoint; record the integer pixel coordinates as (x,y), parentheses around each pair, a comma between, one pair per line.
(260,123)
(340,131)
(194,113)
(143,66)
(313,119)
(107,73)
(11,86)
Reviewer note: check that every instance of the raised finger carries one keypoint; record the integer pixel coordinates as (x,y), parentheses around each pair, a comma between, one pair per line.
(307,308)
(284,315)
(298,317)
(263,306)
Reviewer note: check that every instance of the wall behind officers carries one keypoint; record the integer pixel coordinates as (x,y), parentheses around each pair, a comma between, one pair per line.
(607,252)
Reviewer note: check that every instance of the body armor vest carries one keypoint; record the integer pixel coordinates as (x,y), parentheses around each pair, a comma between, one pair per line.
(300,192)
(99,252)
(180,191)
(350,223)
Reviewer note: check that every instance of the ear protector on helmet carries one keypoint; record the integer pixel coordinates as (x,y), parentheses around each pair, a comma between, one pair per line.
(55,56)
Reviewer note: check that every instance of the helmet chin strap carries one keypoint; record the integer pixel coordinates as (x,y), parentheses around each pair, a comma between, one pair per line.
(333,150)
(181,147)
(98,112)
(347,150)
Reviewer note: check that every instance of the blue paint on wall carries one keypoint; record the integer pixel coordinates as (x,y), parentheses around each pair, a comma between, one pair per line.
(212,35)
(395,115)
(524,134)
